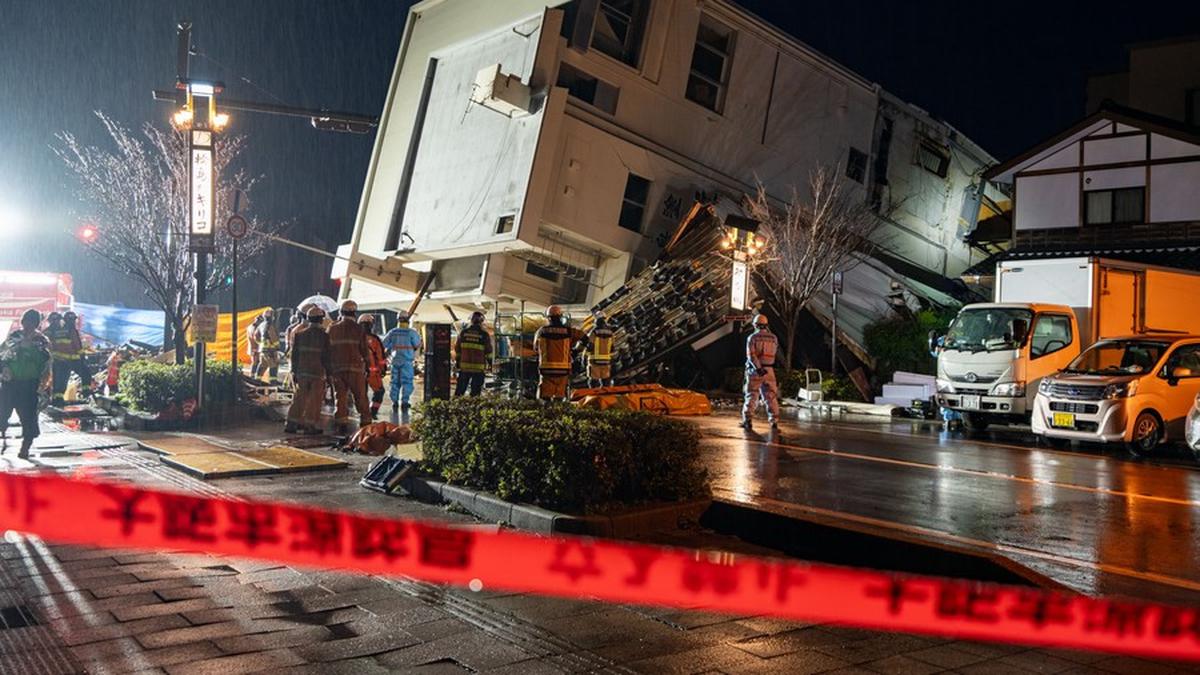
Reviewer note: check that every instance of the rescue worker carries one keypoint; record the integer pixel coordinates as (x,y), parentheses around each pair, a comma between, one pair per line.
(761,348)
(252,344)
(66,350)
(377,363)
(267,335)
(403,342)
(24,365)
(554,343)
(599,353)
(310,361)
(349,356)
(116,359)
(472,356)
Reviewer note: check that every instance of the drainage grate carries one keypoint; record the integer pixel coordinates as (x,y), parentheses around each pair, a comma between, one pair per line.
(18,616)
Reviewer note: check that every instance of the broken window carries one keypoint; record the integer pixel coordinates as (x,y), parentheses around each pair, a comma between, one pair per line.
(619,27)
(588,89)
(536,270)
(709,76)
(856,165)
(933,157)
(1105,207)
(633,204)
(505,224)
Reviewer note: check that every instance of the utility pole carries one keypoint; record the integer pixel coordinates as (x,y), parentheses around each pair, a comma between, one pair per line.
(833,333)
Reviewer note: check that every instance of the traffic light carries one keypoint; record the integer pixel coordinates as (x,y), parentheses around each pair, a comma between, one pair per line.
(88,234)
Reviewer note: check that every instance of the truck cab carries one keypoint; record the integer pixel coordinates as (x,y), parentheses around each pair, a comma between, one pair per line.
(994,355)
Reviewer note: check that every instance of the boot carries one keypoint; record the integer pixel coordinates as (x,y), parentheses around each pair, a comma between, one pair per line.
(747,425)
(25,446)
(290,428)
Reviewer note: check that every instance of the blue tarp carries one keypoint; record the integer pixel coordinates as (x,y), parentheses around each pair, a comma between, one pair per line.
(118,325)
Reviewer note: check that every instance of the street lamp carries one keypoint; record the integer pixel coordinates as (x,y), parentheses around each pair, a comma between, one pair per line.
(741,244)
(202,131)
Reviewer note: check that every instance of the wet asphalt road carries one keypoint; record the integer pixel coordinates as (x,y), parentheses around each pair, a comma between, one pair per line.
(1091,519)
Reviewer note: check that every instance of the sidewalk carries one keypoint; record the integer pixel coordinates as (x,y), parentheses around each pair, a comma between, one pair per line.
(107,611)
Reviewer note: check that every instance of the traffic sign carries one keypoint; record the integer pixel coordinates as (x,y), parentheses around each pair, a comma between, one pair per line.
(236,226)
(837,283)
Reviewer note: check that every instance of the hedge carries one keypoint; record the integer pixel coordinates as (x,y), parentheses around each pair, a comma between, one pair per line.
(149,386)
(559,456)
(902,343)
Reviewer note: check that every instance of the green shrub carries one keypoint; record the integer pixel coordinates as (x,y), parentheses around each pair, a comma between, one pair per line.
(902,343)
(560,456)
(150,386)
(840,388)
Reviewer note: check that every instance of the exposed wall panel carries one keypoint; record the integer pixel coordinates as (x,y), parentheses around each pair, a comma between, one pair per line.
(1047,202)
(1175,192)
(1108,150)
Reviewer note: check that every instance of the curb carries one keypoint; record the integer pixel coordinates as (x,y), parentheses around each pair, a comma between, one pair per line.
(486,506)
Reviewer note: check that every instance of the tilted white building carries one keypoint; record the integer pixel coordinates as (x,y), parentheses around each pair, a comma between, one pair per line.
(541,152)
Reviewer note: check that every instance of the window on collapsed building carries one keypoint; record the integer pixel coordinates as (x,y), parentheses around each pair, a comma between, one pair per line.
(1106,207)
(619,28)
(535,270)
(709,75)
(933,157)
(588,89)
(856,165)
(505,224)
(633,204)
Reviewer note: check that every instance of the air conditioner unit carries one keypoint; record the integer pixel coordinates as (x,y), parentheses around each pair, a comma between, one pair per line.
(505,94)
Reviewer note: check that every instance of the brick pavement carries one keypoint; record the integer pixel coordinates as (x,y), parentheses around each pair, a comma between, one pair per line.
(106,611)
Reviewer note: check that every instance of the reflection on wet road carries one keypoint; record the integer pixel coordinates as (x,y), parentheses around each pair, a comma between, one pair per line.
(1095,522)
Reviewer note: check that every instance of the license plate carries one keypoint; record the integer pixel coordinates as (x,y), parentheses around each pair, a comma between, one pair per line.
(969,401)
(1063,420)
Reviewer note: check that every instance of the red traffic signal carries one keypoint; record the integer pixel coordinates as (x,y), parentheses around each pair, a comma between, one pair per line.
(88,234)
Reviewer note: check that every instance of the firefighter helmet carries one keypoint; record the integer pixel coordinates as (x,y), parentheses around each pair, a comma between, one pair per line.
(69,316)
(477,318)
(269,313)
(402,317)
(315,314)
(367,318)
(349,308)
(553,311)
(31,318)
(760,320)
(54,317)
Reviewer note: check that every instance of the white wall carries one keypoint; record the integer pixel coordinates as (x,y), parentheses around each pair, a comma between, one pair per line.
(1175,192)
(1047,202)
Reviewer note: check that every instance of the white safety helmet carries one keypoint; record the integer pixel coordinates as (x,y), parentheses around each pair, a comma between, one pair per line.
(760,320)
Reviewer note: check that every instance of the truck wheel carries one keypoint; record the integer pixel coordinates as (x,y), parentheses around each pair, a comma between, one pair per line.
(1147,432)
(974,422)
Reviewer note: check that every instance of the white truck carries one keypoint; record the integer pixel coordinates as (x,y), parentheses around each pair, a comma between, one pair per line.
(1045,313)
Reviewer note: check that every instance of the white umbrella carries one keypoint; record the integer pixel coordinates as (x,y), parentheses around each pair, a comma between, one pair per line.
(326,303)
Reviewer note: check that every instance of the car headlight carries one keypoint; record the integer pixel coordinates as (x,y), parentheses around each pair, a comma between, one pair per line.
(1123,390)
(945,386)
(1045,385)
(1013,389)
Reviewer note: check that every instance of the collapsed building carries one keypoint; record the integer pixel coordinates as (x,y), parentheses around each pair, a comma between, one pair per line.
(534,153)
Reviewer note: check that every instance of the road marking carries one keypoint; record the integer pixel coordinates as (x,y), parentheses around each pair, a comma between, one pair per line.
(975,472)
(750,500)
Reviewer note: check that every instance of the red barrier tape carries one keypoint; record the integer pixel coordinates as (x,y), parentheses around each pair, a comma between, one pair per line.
(121,516)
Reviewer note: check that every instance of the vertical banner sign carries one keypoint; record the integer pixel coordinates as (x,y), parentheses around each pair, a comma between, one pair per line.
(739,285)
(202,192)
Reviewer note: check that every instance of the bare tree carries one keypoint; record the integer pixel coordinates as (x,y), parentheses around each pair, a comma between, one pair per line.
(807,240)
(136,195)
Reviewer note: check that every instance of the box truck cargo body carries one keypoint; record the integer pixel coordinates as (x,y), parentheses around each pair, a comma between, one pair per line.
(1045,313)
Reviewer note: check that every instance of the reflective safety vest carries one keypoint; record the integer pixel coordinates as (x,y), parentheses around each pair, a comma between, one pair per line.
(554,348)
(348,347)
(760,349)
(600,342)
(268,337)
(310,353)
(474,349)
(63,344)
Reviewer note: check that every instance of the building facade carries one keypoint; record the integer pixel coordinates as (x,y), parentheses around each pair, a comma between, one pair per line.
(1163,78)
(543,152)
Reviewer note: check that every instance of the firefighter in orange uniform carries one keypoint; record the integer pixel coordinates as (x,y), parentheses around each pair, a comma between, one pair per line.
(555,342)
(349,356)
(377,363)
(310,354)
(761,348)
(599,353)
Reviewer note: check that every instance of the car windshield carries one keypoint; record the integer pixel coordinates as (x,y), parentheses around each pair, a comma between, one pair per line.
(985,329)
(1118,357)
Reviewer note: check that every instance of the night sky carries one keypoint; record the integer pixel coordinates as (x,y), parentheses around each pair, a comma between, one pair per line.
(1006,74)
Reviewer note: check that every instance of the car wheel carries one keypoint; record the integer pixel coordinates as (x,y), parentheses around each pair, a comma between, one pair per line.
(974,423)
(1147,433)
